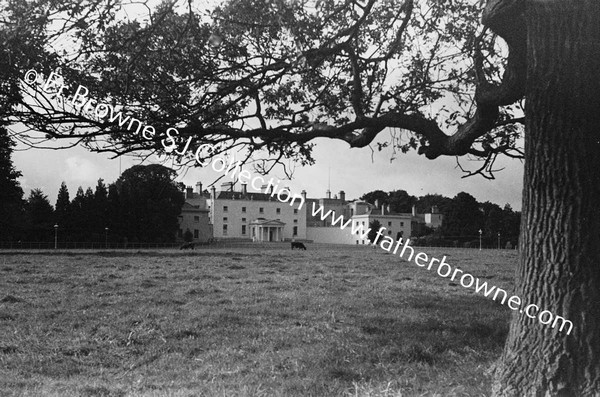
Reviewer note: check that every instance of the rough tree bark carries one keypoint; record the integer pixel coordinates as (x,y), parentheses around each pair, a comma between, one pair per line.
(559,269)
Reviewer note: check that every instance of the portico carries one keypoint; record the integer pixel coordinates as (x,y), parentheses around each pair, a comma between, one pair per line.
(266,230)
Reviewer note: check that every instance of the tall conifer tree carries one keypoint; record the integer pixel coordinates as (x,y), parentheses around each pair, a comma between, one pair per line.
(62,206)
(11,194)
(39,215)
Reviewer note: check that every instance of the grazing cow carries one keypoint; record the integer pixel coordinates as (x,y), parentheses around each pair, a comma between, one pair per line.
(187,246)
(298,245)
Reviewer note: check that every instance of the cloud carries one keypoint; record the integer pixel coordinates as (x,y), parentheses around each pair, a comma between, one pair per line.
(81,170)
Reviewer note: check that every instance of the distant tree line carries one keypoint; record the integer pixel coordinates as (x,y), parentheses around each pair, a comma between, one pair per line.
(141,206)
(144,203)
(463,217)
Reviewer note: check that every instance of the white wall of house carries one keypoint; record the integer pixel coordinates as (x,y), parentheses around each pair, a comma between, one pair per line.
(330,235)
(394,224)
(231,218)
(231,213)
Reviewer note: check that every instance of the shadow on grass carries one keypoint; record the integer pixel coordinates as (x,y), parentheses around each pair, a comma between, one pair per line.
(451,324)
(450,333)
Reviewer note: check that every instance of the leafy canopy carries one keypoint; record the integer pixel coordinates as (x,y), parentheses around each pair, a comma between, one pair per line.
(268,77)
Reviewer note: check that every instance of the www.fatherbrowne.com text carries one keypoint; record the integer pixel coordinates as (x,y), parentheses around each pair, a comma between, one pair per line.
(443,269)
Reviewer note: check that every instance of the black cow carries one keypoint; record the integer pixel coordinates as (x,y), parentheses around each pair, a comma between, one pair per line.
(187,246)
(298,245)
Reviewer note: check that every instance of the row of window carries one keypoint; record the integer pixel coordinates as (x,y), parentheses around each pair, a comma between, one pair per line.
(197,218)
(225,219)
(389,223)
(295,230)
(261,210)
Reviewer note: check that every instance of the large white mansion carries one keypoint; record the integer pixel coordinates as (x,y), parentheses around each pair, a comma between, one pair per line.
(232,213)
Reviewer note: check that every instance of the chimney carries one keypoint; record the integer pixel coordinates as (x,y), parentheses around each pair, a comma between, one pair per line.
(434,209)
(303,193)
(414,210)
(383,210)
(328,193)
(376,203)
(189,192)
(263,189)
(213,192)
(342,195)
(244,188)
(199,187)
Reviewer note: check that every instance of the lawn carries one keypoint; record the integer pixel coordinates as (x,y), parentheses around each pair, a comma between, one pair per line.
(258,321)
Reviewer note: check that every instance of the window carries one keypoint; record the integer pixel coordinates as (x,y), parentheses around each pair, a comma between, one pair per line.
(295,211)
(390,224)
(295,220)
(295,230)
(225,208)
(278,211)
(224,219)
(196,219)
(244,210)
(196,233)
(363,223)
(261,210)
(389,232)
(401,223)
(243,229)
(224,230)
(243,219)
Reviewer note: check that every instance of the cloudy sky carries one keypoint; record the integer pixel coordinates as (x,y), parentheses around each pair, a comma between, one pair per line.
(351,170)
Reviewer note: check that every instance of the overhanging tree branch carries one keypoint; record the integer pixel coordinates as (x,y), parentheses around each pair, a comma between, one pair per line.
(258,90)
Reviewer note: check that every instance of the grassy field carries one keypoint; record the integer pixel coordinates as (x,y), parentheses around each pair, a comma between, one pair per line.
(259,321)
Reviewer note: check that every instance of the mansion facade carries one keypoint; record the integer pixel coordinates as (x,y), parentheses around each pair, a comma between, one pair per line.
(236,214)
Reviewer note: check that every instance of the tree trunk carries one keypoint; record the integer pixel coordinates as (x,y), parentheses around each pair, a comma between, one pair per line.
(559,268)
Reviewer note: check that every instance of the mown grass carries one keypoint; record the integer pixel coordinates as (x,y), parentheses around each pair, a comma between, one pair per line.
(260,321)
